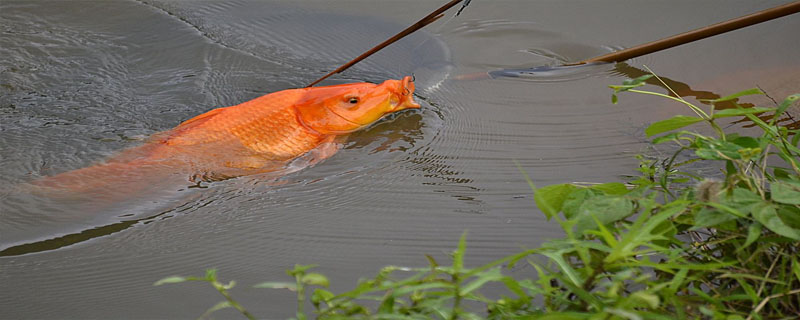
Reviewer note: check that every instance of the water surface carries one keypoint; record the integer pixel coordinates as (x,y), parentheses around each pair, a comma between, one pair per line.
(81,80)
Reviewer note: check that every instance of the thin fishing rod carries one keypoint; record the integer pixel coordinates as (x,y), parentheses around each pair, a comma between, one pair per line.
(433,16)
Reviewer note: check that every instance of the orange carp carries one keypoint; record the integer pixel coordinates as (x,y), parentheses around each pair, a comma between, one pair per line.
(258,136)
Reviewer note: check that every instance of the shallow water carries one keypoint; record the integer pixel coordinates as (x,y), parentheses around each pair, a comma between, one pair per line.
(81,80)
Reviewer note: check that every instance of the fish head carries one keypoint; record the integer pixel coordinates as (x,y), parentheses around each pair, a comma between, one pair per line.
(345,108)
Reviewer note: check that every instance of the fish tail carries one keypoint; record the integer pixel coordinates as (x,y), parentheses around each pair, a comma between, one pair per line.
(88,178)
(108,182)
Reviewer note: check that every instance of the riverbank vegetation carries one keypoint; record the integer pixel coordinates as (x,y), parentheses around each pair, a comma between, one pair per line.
(667,244)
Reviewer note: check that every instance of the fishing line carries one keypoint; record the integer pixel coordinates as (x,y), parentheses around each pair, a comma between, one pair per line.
(440,27)
(438,31)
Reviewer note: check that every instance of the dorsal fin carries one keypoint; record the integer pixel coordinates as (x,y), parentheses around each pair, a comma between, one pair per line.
(200,118)
(169,136)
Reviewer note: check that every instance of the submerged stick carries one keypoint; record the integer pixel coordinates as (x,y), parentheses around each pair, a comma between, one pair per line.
(433,16)
(696,34)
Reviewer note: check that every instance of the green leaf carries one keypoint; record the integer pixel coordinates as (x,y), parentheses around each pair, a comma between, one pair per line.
(730,168)
(219,306)
(581,293)
(515,286)
(550,199)
(670,266)
(709,217)
(606,209)
(424,286)
(431,261)
(787,192)
(211,274)
(611,188)
(749,153)
(174,279)
(315,279)
(743,196)
(608,237)
(746,142)
(458,255)
(784,105)
(748,289)
(728,209)
(575,199)
(747,92)
(228,286)
(790,215)
(753,233)
(668,230)
(712,149)
(670,124)
(490,275)
(780,173)
(739,112)
(321,295)
(749,276)
(641,231)
(646,298)
(796,139)
(630,84)
(677,281)
(637,81)
(566,268)
(668,137)
(796,268)
(563,316)
(277,285)
(731,226)
(766,214)
(387,305)
(300,269)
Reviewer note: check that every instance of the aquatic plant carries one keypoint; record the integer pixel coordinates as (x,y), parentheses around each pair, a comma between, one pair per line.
(668,244)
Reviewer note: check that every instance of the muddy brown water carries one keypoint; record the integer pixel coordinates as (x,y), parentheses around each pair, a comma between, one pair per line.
(80,80)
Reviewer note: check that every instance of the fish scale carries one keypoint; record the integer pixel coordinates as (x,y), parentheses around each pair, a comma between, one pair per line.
(265,126)
(257,136)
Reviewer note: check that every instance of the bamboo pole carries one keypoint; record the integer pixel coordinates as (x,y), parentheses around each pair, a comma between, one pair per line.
(697,34)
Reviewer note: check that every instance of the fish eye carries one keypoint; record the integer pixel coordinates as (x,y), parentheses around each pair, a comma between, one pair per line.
(353,100)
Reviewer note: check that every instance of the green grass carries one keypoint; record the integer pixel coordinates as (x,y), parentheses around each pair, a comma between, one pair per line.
(667,244)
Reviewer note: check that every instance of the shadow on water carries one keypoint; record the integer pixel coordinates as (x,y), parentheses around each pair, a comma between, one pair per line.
(74,238)
(685,90)
(401,132)
(151,80)
(672,86)
(79,217)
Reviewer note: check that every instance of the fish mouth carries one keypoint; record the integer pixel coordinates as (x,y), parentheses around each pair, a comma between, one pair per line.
(406,99)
